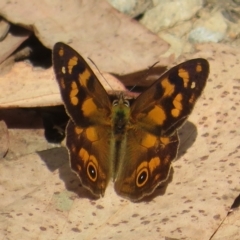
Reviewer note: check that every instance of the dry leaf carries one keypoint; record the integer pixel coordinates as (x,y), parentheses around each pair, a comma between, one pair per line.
(25,133)
(4,139)
(116,43)
(4,28)
(38,87)
(230,229)
(94,28)
(11,43)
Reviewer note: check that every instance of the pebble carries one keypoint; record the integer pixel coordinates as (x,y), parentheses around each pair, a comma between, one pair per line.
(169,13)
(212,29)
(183,23)
(131,8)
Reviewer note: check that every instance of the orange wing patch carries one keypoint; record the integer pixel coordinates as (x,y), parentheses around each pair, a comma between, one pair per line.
(84,77)
(73,93)
(71,63)
(61,52)
(89,107)
(184,74)
(177,103)
(157,115)
(199,68)
(168,87)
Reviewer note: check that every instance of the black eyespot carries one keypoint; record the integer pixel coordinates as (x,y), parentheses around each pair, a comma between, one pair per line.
(142,177)
(92,172)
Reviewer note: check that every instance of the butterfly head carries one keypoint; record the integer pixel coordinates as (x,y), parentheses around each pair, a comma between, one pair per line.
(121,102)
(120,116)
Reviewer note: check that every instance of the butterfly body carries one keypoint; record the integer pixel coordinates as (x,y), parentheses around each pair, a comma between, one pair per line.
(133,145)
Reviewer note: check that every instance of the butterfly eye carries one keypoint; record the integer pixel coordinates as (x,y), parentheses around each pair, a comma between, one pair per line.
(126,103)
(142,177)
(92,171)
(115,102)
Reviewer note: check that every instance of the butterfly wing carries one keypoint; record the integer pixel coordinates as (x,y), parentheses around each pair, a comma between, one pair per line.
(151,141)
(84,97)
(145,163)
(165,105)
(89,155)
(89,109)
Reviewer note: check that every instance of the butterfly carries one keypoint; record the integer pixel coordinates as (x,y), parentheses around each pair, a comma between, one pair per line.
(132,145)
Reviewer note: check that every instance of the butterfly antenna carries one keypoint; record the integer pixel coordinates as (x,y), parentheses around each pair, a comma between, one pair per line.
(100,73)
(144,76)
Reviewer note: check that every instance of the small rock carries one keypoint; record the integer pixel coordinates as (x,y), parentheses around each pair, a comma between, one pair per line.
(178,46)
(212,29)
(132,8)
(168,13)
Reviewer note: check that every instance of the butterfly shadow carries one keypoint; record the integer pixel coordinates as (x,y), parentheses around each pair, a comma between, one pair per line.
(187,136)
(142,79)
(57,158)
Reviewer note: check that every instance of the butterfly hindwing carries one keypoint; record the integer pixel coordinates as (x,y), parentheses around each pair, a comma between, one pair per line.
(145,163)
(90,156)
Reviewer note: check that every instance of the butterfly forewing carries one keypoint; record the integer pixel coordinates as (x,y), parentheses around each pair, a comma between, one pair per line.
(164,107)
(85,99)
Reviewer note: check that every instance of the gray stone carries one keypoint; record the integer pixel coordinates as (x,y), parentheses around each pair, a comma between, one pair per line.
(131,7)
(212,29)
(168,13)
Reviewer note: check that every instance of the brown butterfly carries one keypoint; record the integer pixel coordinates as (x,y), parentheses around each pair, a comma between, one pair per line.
(133,145)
